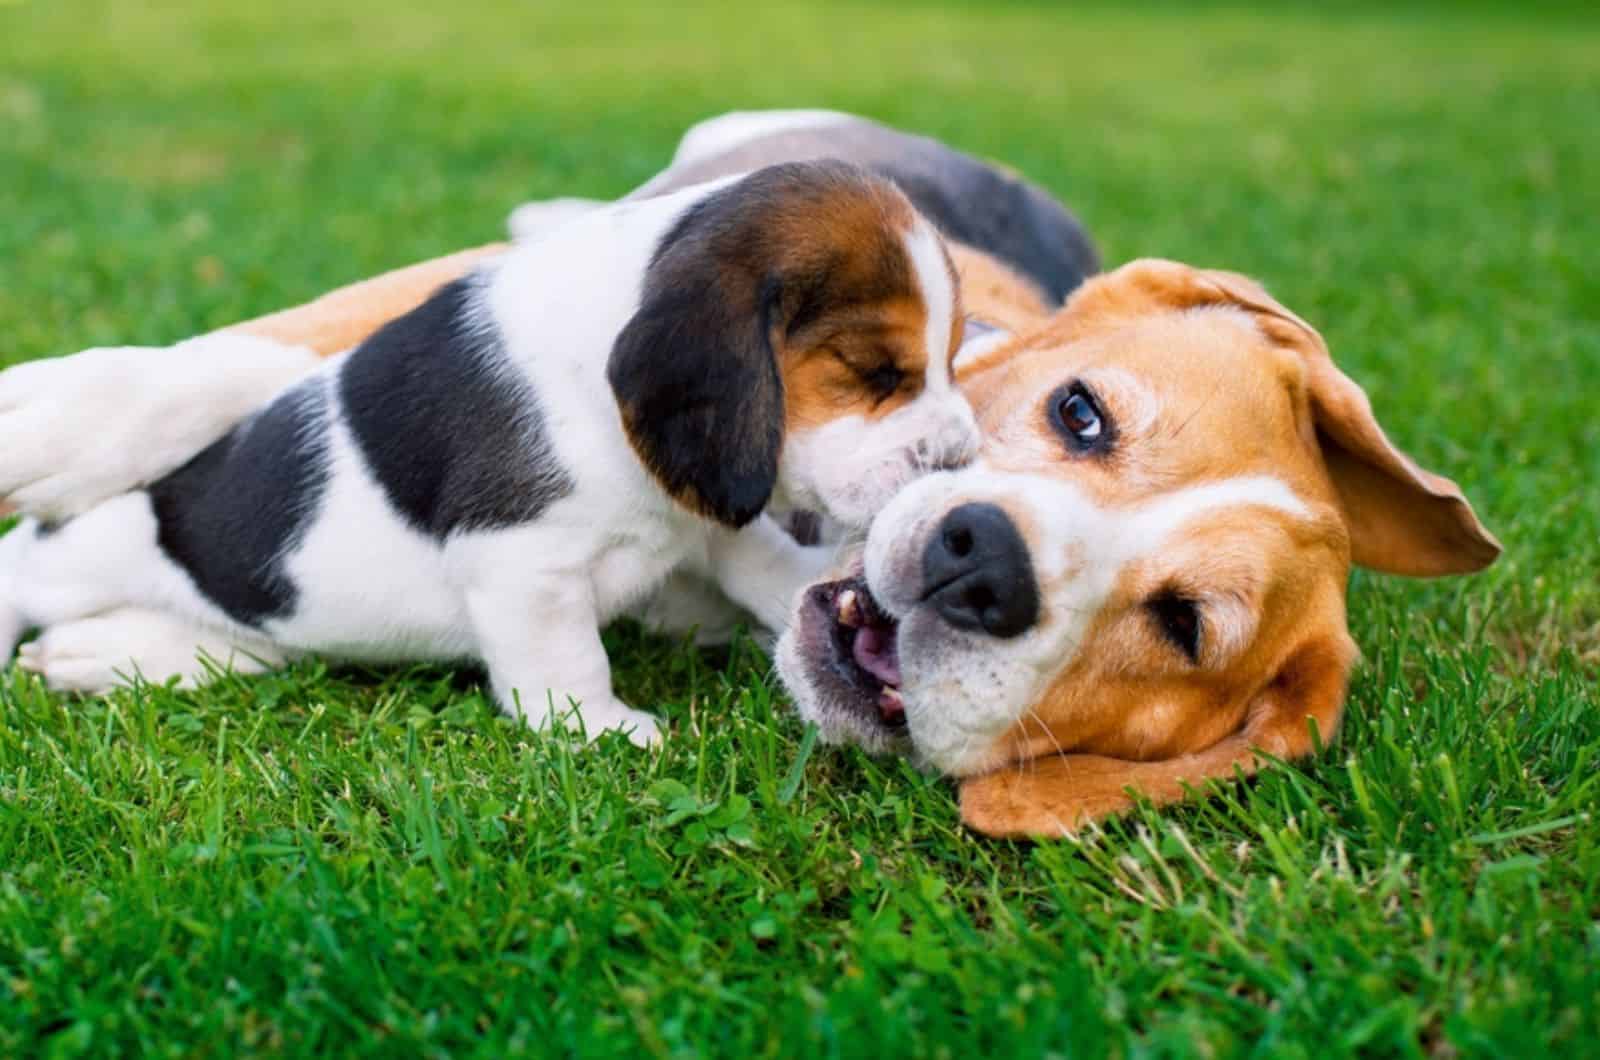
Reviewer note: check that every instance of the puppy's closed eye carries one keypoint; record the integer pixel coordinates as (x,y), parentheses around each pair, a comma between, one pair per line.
(877,369)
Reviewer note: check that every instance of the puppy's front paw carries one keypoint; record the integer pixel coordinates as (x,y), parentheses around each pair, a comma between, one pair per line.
(77,430)
(641,729)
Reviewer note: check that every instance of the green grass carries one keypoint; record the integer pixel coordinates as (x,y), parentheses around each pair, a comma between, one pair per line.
(366,861)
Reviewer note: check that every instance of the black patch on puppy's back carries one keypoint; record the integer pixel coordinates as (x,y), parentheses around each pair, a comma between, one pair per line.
(232,514)
(452,432)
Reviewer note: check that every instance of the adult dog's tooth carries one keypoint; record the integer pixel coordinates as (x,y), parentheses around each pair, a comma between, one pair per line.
(848,609)
(891,705)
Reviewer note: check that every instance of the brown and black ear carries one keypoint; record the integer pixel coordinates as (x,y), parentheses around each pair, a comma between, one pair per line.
(1402,519)
(1061,794)
(695,373)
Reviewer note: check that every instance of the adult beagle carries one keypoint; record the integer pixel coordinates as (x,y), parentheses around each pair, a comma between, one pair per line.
(498,472)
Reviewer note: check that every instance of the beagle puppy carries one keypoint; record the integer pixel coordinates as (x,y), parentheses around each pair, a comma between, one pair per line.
(504,468)
(1140,583)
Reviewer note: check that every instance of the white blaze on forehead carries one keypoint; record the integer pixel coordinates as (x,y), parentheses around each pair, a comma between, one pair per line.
(1149,525)
(938,289)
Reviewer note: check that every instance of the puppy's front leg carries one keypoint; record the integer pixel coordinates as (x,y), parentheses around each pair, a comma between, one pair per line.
(540,639)
(761,568)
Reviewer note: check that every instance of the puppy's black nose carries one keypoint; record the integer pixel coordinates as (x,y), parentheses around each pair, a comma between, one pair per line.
(977,574)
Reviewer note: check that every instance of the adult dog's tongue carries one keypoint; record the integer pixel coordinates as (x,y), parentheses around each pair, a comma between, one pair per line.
(873,646)
(874,651)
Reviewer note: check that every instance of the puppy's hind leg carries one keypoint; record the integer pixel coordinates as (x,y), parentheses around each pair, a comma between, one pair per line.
(104,593)
(93,655)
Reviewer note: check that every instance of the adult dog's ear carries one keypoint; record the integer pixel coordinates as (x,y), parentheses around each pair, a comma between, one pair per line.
(1402,519)
(1059,794)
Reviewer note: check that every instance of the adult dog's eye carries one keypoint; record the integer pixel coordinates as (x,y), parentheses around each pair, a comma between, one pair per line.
(1077,417)
(1179,621)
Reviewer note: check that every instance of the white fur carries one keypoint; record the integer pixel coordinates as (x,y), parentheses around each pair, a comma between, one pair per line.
(687,603)
(1146,527)
(77,430)
(936,280)
(371,586)
(761,568)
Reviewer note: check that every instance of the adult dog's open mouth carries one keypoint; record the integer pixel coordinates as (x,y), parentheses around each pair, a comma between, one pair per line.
(853,644)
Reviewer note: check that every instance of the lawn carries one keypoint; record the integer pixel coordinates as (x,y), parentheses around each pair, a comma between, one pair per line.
(373,861)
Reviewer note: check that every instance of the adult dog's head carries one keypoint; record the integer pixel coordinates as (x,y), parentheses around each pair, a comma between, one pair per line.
(794,339)
(1142,579)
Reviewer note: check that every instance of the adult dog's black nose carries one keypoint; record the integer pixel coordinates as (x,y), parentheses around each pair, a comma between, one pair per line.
(977,574)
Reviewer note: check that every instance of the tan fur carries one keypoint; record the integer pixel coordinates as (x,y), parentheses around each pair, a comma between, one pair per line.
(996,293)
(343,318)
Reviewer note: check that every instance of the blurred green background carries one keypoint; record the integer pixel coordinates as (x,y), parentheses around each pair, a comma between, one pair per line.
(1418,181)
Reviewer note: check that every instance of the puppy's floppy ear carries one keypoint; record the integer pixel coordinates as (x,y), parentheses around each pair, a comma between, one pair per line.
(695,373)
(1402,519)
(1060,794)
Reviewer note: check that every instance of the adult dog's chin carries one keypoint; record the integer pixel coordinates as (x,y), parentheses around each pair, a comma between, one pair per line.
(840,660)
